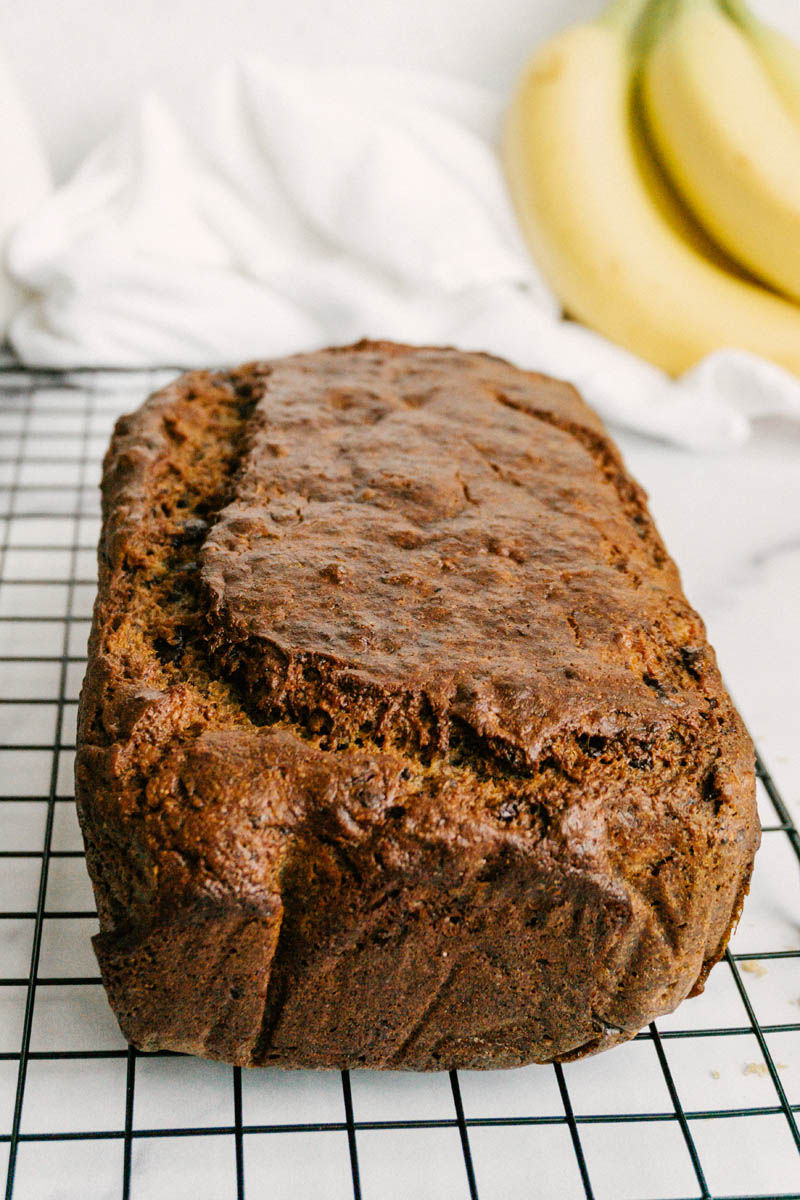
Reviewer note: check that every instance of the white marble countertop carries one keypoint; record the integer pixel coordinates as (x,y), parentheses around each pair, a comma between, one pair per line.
(731,522)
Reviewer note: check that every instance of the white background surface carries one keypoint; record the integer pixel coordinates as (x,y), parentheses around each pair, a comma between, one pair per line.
(80,62)
(733,524)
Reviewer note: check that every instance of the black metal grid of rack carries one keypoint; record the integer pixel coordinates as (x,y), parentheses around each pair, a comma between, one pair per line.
(53,429)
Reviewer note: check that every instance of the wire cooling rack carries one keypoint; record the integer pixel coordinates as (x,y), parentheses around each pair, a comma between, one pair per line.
(705,1103)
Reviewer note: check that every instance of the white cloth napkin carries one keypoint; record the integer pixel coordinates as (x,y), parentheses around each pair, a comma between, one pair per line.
(25,178)
(320,206)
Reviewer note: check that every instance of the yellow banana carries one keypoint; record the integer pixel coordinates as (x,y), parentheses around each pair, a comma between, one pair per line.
(599,234)
(779,56)
(726,139)
(663,195)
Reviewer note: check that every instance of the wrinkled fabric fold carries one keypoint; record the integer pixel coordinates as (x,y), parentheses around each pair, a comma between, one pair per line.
(313,207)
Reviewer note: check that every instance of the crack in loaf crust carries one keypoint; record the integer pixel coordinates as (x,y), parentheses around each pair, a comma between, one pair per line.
(400,745)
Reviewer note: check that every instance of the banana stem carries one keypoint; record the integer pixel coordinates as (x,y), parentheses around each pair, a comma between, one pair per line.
(639,21)
(739,12)
(624,15)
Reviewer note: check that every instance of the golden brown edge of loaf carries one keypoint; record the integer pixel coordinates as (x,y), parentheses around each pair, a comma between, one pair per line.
(270,895)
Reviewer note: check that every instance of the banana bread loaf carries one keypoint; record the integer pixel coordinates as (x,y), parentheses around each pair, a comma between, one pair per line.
(399,743)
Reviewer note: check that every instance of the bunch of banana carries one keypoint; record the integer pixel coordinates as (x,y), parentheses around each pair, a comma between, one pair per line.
(654,159)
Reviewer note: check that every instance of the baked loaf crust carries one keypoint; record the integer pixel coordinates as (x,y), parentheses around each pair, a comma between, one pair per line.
(399,744)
